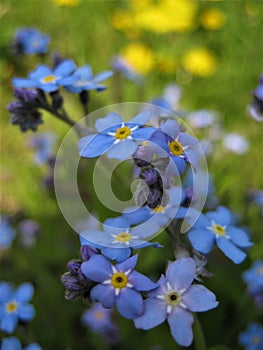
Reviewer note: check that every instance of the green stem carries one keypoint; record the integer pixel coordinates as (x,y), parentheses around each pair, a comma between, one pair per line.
(199,339)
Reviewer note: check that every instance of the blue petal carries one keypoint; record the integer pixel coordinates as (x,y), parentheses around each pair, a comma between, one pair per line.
(135,215)
(141,118)
(11,343)
(180,273)
(65,68)
(143,133)
(105,294)
(239,237)
(187,140)
(221,216)
(26,311)
(180,322)
(6,292)
(94,145)
(24,83)
(170,128)
(128,264)
(116,225)
(147,229)
(97,268)
(230,250)
(202,240)
(129,303)
(176,166)
(118,254)
(96,237)
(84,72)
(111,119)
(50,87)
(24,292)
(40,72)
(122,150)
(9,322)
(102,76)
(202,222)
(33,346)
(197,298)
(154,314)
(141,282)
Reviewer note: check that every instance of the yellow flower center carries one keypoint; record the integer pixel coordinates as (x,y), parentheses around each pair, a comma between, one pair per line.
(218,230)
(176,148)
(122,133)
(49,79)
(99,315)
(173,298)
(11,306)
(119,280)
(256,339)
(159,209)
(123,237)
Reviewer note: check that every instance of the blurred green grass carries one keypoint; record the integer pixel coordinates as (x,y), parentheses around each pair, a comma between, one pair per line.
(85,34)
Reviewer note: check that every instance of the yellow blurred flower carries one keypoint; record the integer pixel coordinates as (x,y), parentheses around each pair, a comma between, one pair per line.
(200,62)
(165,16)
(139,57)
(66,2)
(212,19)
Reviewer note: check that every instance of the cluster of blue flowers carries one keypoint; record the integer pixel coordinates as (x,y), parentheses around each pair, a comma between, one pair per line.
(163,154)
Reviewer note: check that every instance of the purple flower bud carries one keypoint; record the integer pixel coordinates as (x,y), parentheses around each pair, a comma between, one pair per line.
(143,156)
(154,198)
(86,252)
(73,266)
(151,176)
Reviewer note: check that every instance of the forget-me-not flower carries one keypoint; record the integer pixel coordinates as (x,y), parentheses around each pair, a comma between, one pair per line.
(116,137)
(118,284)
(117,238)
(254,277)
(14,305)
(7,234)
(45,78)
(215,227)
(30,41)
(174,299)
(252,337)
(179,146)
(84,80)
(13,343)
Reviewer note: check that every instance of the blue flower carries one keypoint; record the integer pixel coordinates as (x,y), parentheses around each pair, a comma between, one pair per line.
(175,299)
(45,78)
(118,284)
(252,337)
(43,144)
(99,320)
(14,305)
(7,234)
(13,343)
(30,41)
(215,227)
(162,215)
(179,146)
(254,277)
(117,238)
(117,138)
(84,80)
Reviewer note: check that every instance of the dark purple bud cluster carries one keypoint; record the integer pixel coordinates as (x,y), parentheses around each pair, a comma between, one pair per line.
(155,185)
(77,285)
(25,109)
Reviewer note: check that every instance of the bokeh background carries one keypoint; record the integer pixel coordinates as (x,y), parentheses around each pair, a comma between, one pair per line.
(212,51)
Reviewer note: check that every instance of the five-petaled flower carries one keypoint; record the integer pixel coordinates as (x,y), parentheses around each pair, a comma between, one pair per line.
(118,284)
(169,141)
(30,41)
(174,299)
(252,337)
(215,227)
(117,138)
(13,343)
(46,79)
(14,305)
(117,238)
(84,80)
